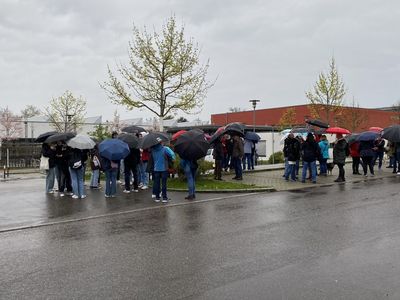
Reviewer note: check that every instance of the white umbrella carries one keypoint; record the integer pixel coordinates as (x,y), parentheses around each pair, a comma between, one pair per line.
(82,142)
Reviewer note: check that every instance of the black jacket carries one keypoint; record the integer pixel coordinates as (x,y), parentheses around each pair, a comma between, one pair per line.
(310,150)
(218,152)
(50,153)
(291,149)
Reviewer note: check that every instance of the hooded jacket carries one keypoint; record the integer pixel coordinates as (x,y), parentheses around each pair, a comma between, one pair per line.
(159,154)
(339,151)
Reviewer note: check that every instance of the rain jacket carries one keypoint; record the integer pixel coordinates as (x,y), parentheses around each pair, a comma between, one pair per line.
(366,148)
(310,150)
(355,149)
(291,149)
(324,146)
(238,149)
(248,145)
(159,154)
(340,151)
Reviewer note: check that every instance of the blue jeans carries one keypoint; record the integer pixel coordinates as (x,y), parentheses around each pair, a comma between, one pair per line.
(307,165)
(250,162)
(160,176)
(77,181)
(143,174)
(323,168)
(191,177)
(50,177)
(237,164)
(94,180)
(111,182)
(290,170)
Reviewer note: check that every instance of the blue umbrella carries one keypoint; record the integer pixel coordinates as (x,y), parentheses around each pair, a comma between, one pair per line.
(367,136)
(113,149)
(252,136)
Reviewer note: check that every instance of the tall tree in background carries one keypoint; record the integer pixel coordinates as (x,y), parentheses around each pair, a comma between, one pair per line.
(30,111)
(288,119)
(66,113)
(10,125)
(163,75)
(353,118)
(326,98)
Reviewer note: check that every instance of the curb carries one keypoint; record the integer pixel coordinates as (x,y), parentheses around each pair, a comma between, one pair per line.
(252,190)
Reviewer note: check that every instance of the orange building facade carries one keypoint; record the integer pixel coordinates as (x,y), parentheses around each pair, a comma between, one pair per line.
(366,117)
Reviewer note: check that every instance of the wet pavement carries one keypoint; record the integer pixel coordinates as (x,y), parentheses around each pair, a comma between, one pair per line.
(332,242)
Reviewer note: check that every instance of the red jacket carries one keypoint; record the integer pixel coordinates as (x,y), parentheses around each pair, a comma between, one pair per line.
(145,155)
(355,149)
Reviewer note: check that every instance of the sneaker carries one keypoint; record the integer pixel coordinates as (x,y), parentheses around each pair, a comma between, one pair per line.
(157,199)
(50,192)
(107,196)
(69,193)
(372,175)
(153,196)
(365,175)
(83,196)
(126,191)
(112,196)
(190,197)
(140,184)
(75,197)
(136,191)
(165,200)
(398,173)
(144,187)
(62,194)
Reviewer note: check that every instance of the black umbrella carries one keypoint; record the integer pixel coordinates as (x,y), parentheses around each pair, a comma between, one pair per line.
(220,131)
(130,139)
(152,139)
(59,137)
(235,128)
(392,133)
(192,145)
(133,129)
(252,136)
(41,138)
(318,123)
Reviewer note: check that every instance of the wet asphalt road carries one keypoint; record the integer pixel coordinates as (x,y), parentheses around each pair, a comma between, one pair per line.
(337,242)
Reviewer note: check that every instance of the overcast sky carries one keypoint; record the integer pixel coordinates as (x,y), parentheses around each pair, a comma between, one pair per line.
(267,50)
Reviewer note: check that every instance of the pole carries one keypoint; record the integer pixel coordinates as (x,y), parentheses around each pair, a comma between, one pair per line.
(273,146)
(254,119)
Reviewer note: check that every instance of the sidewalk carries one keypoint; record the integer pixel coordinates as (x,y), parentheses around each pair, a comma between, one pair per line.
(271,175)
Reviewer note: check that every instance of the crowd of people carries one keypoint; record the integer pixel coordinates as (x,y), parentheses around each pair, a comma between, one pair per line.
(68,166)
(315,148)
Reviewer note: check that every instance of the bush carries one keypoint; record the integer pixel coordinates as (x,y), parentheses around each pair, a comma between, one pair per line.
(204,167)
(277,157)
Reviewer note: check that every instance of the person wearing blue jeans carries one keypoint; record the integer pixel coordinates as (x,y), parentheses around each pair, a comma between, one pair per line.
(160,177)
(77,182)
(111,182)
(247,147)
(311,152)
(160,155)
(190,169)
(306,166)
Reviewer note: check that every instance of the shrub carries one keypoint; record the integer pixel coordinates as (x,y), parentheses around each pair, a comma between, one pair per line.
(277,157)
(204,167)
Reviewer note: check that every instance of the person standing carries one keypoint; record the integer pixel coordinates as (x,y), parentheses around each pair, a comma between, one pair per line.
(237,155)
(310,153)
(130,168)
(248,145)
(292,154)
(144,159)
(218,155)
(76,161)
(49,152)
(355,156)
(324,150)
(95,165)
(190,169)
(161,155)
(340,152)
(379,148)
(63,175)
(367,156)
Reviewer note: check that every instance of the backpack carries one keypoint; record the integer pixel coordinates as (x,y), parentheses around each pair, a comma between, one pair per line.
(76,160)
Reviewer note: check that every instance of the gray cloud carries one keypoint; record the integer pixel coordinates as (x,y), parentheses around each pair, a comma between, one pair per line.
(270,50)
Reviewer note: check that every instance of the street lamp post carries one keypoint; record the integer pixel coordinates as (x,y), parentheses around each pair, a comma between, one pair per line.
(67,121)
(254,103)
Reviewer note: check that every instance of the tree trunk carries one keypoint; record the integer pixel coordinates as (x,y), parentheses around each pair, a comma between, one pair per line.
(161,120)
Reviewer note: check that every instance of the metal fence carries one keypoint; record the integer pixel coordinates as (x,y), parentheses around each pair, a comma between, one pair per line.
(20,154)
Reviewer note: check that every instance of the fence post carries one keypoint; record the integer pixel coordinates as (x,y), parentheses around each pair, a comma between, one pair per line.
(8,162)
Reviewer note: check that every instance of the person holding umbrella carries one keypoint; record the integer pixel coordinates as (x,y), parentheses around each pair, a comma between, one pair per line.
(49,152)
(367,156)
(311,152)
(218,154)
(63,175)
(340,152)
(76,162)
(237,155)
(324,149)
(130,168)
(379,148)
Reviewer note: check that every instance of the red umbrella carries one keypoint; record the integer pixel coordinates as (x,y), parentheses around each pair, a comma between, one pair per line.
(336,130)
(375,129)
(177,134)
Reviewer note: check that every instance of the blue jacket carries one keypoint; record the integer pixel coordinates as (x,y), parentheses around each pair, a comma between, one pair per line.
(159,153)
(324,146)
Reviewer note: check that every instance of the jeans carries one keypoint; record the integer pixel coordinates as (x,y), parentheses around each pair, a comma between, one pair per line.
(368,161)
(94,180)
(63,178)
(309,165)
(191,179)
(250,162)
(290,170)
(237,164)
(50,177)
(77,181)
(322,166)
(111,182)
(160,176)
(378,155)
(143,174)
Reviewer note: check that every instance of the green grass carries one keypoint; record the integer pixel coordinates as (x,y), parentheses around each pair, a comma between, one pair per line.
(207,183)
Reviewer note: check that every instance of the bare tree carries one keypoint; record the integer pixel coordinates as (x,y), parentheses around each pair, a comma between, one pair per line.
(30,111)
(66,112)
(10,125)
(163,75)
